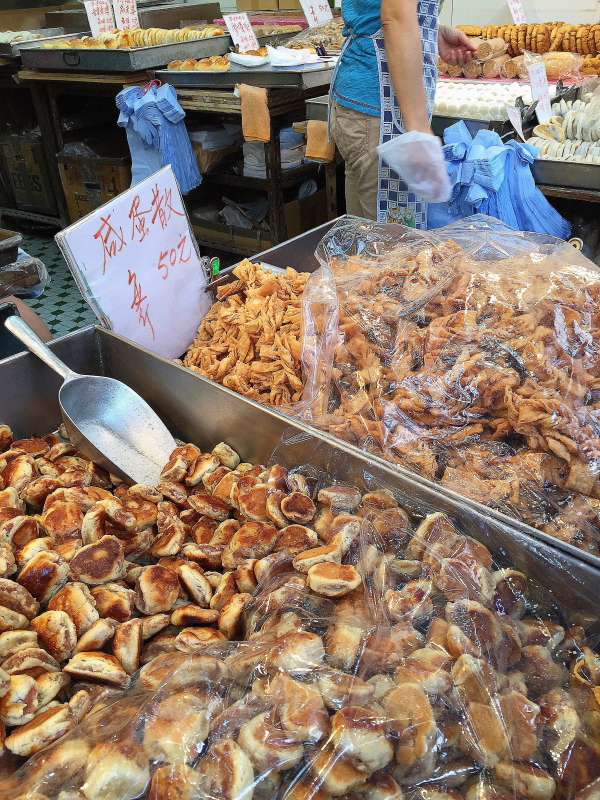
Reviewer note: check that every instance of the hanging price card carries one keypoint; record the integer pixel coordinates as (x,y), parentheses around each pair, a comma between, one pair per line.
(516,10)
(240,29)
(316,11)
(136,263)
(126,14)
(100,16)
(540,91)
(514,116)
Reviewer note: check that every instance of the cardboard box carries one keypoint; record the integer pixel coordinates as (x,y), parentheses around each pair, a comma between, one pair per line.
(24,166)
(257,5)
(306,213)
(300,216)
(90,182)
(286,4)
(208,159)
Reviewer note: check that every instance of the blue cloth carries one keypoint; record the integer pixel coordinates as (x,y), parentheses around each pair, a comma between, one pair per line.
(357,82)
(156,133)
(492,178)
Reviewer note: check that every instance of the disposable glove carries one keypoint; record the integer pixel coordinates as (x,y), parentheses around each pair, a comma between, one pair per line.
(418,159)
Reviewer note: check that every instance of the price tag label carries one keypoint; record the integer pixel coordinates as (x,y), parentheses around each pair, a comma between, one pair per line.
(240,29)
(516,10)
(100,16)
(126,14)
(316,11)
(514,116)
(136,263)
(540,91)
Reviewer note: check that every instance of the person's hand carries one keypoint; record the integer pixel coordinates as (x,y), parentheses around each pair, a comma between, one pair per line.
(454,46)
(418,158)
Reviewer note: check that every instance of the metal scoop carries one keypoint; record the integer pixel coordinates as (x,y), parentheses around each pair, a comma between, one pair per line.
(105,419)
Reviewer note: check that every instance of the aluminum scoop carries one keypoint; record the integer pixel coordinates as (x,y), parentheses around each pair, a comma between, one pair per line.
(104,418)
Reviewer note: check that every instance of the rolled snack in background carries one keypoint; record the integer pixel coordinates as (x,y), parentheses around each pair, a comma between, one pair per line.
(493,67)
(510,69)
(491,49)
(442,66)
(474,69)
(454,72)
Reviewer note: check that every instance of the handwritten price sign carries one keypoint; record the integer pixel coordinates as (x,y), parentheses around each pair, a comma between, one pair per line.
(100,16)
(540,91)
(240,30)
(126,14)
(135,262)
(514,116)
(516,10)
(316,11)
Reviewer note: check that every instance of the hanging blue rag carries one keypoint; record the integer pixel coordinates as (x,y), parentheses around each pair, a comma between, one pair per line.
(493,178)
(157,136)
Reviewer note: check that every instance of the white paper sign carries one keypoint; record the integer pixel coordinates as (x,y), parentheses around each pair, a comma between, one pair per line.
(100,16)
(136,263)
(514,116)
(316,11)
(516,10)
(240,29)
(126,14)
(540,91)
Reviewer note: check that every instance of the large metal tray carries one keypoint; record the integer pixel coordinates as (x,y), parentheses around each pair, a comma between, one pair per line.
(13,49)
(299,253)
(307,78)
(132,60)
(198,410)
(317,108)
(569,174)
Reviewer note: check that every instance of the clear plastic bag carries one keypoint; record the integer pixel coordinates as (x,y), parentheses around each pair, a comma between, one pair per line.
(399,657)
(468,355)
(27,277)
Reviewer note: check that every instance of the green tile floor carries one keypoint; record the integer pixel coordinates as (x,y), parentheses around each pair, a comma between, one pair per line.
(61,306)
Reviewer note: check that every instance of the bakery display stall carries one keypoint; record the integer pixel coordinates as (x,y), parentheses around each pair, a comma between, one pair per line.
(233,636)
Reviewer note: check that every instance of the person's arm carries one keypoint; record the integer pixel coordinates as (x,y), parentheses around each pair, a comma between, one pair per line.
(405,61)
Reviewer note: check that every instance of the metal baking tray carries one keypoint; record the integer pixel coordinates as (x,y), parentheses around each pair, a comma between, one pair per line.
(132,60)
(198,410)
(306,78)
(299,253)
(317,108)
(13,49)
(569,174)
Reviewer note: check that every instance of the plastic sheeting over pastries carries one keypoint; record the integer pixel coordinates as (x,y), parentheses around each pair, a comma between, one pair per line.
(469,355)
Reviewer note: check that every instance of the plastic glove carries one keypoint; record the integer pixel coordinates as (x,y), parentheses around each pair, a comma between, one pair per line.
(417,157)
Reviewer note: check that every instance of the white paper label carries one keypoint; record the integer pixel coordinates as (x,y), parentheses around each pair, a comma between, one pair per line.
(514,116)
(126,14)
(100,16)
(540,91)
(516,10)
(316,11)
(240,29)
(136,263)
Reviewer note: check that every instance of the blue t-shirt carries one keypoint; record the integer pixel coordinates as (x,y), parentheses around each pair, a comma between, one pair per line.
(357,82)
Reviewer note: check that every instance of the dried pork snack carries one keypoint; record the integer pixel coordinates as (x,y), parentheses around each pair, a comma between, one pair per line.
(250,339)
(469,355)
(327,34)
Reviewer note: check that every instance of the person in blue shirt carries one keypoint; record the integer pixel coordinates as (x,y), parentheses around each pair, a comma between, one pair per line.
(384,86)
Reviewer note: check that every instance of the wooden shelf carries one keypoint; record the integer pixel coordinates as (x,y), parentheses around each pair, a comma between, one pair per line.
(589,195)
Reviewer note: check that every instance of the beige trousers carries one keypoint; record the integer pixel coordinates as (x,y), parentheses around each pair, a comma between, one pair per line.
(357,136)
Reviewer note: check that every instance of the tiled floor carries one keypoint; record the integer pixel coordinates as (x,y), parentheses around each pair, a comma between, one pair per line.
(61,306)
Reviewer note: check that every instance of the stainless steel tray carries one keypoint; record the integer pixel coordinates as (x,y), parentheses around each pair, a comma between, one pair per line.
(198,410)
(13,49)
(299,254)
(259,76)
(569,174)
(132,60)
(317,108)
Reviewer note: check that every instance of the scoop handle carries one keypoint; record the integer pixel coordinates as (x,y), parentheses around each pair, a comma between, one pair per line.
(19,328)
